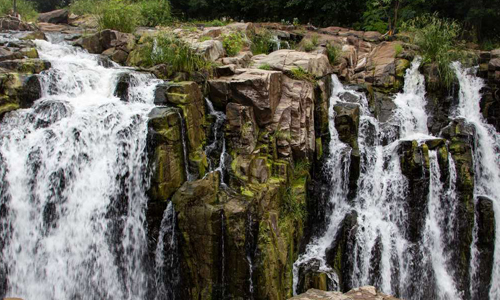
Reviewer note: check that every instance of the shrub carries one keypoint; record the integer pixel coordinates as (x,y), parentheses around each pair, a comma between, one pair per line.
(233,43)
(301,74)
(25,8)
(398,48)
(83,7)
(118,15)
(309,46)
(175,53)
(315,40)
(205,38)
(334,53)
(262,43)
(437,41)
(155,13)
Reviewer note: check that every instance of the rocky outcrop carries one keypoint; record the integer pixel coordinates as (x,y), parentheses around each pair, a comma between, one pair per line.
(111,43)
(287,60)
(12,23)
(59,16)
(211,49)
(362,293)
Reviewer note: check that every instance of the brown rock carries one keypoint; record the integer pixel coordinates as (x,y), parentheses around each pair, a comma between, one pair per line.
(286,60)
(59,16)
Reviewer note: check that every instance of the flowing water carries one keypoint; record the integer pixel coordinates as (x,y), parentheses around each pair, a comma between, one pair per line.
(218,143)
(486,156)
(73,195)
(384,252)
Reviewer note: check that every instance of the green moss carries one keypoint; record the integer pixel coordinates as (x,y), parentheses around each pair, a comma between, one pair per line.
(5,108)
(319,148)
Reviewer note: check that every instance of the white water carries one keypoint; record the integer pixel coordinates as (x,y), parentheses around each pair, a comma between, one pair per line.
(75,176)
(219,138)
(486,156)
(381,206)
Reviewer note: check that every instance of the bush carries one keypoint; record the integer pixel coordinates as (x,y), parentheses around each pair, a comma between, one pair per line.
(118,15)
(24,8)
(155,13)
(262,43)
(266,67)
(233,43)
(301,74)
(334,53)
(175,53)
(437,41)
(84,7)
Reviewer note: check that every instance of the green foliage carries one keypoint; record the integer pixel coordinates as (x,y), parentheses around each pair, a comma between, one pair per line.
(155,13)
(233,43)
(118,15)
(215,23)
(308,46)
(437,41)
(301,74)
(315,40)
(266,67)
(373,19)
(24,8)
(334,53)
(262,43)
(292,206)
(84,7)
(205,38)
(398,48)
(175,53)
(490,44)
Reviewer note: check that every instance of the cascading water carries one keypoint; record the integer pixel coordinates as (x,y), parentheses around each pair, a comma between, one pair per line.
(218,143)
(73,197)
(383,253)
(486,156)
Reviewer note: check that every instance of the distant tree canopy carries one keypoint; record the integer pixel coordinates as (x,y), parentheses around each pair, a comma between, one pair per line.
(479,17)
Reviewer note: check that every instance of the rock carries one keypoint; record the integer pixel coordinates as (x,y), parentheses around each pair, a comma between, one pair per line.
(12,23)
(362,293)
(259,89)
(382,65)
(211,49)
(107,39)
(90,43)
(116,55)
(161,94)
(59,16)
(225,71)
(495,53)
(485,246)
(241,131)
(6,54)
(372,36)
(35,35)
(494,65)
(241,60)
(213,32)
(18,91)
(166,153)
(287,60)
(122,87)
(247,28)
(30,66)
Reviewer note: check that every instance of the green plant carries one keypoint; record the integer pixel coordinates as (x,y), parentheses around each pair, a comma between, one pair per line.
(25,8)
(205,38)
(437,42)
(292,207)
(308,46)
(490,44)
(315,40)
(334,53)
(175,53)
(301,74)
(266,67)
(233,43)
(398,48)
(118,15)
(155,12)
(215,23)
(83,7)
(296,22)
(262,43)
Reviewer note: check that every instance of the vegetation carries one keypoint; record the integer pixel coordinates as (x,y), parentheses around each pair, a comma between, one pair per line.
(118,15)
(155,12)
(334,53)
(266,67)
(233,43)
(175,53)
(437,41)
(24,8)
(262,43)
(82,7)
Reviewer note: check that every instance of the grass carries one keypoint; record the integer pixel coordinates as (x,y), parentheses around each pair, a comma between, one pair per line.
(315,40)
(25,8)
(266,67)
(233,43)
(262,43)
(175,53)
(155,13)
(205,38)
(301,74)
(437,42)
(334,53)
(309,46)
(398,48)
(84,7)
(489,45)
(117,15)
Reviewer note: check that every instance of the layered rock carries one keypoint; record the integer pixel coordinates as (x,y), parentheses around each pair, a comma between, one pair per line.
(362,293)
(288,60)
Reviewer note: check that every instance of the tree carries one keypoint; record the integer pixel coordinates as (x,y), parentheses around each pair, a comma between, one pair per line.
(392,10)
(15,7)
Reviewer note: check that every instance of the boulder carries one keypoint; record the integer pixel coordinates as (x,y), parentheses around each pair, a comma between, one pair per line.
(213,32)
(287,60)
(59,16)
(241,60)
(166,153)
(494,65)
(35,35)
(27,66)
(107,39)
(259,89)
(362,293)
(122,87)
(382,65)
(211,49)
(18,91)
(7,54)
(117,55)
(12,23)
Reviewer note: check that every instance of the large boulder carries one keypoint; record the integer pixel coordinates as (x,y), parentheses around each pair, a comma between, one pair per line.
(211,49)
(259,89)
(381,65)
(59,16)
(31,66)
(18,91)
(12,23)
(362,293)
(108,39)
(287,60)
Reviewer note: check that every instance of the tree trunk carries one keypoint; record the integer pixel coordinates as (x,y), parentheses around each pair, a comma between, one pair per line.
(15,8)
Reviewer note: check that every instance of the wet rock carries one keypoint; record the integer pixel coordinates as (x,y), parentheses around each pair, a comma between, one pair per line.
(161,94)
(259,89)
(7,54)
(287,60)
(241,128)
(117,55)
(59,16)
(310,277)
(166,153)
(485,246)
(362,293)
(18,91)
(49,112)
(122,87)
(30,66)
(35,35)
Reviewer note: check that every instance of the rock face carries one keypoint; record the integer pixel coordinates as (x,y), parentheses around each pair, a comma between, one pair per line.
(111,43)
(11,23)
(287,60)
(362,293)
(59,16)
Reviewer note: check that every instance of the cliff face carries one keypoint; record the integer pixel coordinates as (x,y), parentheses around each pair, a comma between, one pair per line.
(242,156)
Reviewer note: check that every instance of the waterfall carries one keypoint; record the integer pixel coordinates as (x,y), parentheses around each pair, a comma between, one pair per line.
(486,156)
(73,197)
(167,272)
(218,143)
(385,252)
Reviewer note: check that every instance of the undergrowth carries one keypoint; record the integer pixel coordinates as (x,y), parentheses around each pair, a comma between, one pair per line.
(233,43)
(25,8)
